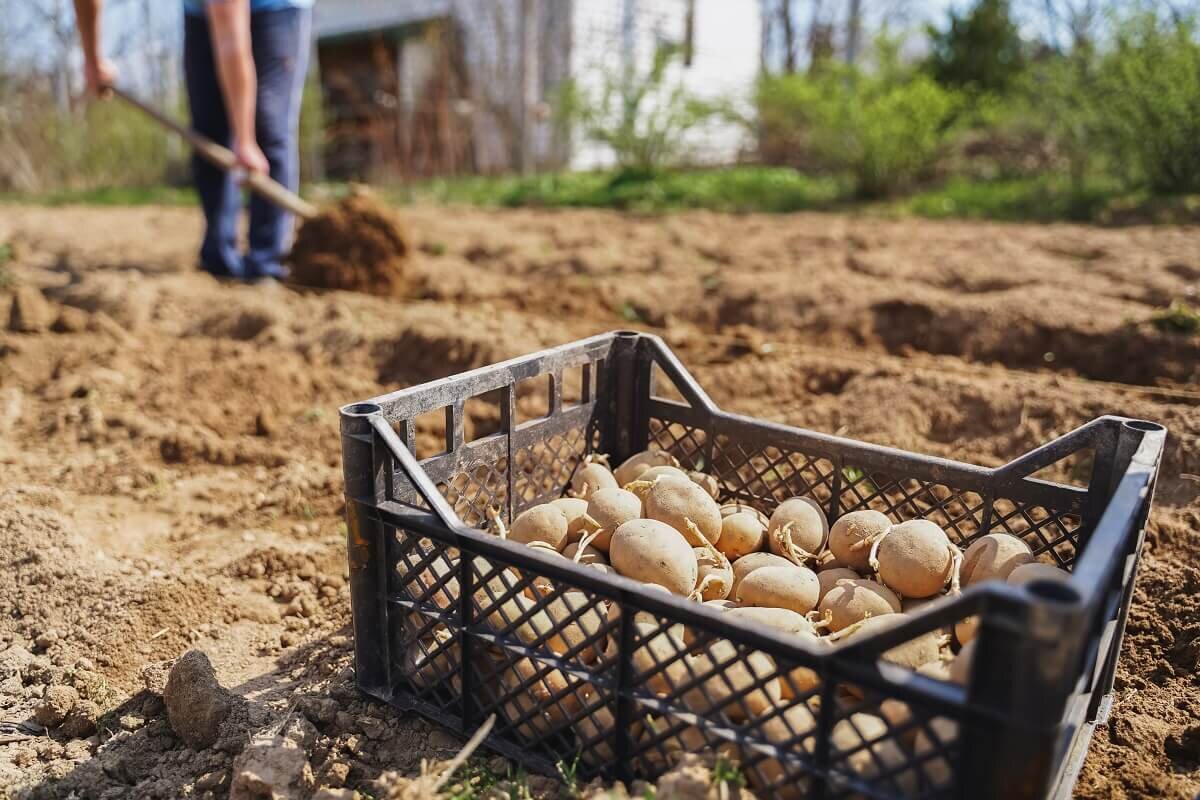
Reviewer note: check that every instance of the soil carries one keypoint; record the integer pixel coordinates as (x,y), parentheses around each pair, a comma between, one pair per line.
(169,456)
(357,244)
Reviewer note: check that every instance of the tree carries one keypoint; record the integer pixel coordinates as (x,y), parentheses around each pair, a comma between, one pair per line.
(981,49)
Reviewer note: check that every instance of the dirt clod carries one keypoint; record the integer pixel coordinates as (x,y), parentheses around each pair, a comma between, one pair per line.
(29,313)
(81,721)
(196,703)
(56,703)
(274,765)
(358,244)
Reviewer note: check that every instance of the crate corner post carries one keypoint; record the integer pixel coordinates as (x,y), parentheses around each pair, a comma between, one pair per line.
(363,472)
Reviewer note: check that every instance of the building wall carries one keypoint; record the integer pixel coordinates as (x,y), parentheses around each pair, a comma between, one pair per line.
(583,39)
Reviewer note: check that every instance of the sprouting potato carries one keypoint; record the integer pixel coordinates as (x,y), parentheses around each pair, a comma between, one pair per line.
(654,552)
(993,558)
(797,530)
(851,537)
(960,667)
(742,533)
(574,509)
(794,727)
(654,656)
(687,508)
(915,559)
(916,652)
(882,755)
(608,510)
(851,601)
(542,523)
(590,478)
(748,563)
(794,588)
(729,509)
(733,672)
(828,578)
(632,468)
(584,555)
(714,576)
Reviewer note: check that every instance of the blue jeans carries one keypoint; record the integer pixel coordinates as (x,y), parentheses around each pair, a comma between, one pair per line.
(281,42)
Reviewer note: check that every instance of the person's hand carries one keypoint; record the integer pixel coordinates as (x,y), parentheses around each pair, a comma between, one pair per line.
(100,74)
(250,158)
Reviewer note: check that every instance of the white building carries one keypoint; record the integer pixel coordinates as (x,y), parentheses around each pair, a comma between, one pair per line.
(443,86)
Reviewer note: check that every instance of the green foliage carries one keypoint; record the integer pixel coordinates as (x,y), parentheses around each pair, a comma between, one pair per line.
(1148,103)
(643,117)
(1179,318)
(884,128)
(980,50)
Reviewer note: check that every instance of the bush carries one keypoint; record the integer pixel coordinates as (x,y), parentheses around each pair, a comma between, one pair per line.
(643,118)
(1148,98)
(885,129)
(980,50)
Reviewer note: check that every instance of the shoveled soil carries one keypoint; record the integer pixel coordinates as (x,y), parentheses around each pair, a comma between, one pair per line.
(357,244)
(169,457)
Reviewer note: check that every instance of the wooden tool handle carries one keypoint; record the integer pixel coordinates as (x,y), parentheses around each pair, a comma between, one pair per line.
(223,158)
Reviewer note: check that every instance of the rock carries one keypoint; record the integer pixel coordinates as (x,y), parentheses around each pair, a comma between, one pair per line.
(14,660)
(274,767)
(56,703)
(154,676)
(336,773)
(29,313)
(265,424)
(81,722)
(45,639)
(688,780)
(335,794)
(196,703)
(320,710)
(70,320)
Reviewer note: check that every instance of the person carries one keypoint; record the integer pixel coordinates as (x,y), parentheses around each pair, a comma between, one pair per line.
(244,67)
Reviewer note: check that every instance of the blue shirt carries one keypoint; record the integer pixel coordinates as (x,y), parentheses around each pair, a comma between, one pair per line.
(197,6)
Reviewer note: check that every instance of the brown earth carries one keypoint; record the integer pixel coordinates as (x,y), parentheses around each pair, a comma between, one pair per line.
(169,463)
(357,244)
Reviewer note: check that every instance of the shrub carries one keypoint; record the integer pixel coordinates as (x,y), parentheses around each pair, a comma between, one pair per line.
(1148,89)
(981,49)
(885,128)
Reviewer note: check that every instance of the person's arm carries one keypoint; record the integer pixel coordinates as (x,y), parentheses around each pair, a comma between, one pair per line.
(98,72)
(229,26)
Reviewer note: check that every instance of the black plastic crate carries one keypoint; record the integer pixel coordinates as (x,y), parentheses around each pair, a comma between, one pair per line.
(438,631)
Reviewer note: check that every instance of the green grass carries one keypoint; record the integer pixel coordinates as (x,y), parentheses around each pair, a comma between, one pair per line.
(733,189)
(1044,198)
(109,196)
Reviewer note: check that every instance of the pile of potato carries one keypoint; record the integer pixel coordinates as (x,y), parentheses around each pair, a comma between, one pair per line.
(654,522)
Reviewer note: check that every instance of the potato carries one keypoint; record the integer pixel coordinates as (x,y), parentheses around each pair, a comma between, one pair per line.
(852,535)
(532,698)
(596,728)
(1036,571)
(780,619)
(770,776)
(883,755)
(914,653)
(709,483)
(608,510)
(966,629)
(899,714)
(733,671)
(687,509)
(578,619)
(828,578)
(852,601)
(590,477)
(645,617)
(426,668)
(654,552)
(960,667)
(714,577)
(729,509)
(993,558)
(721,605)
(584,555)
(632,468)
(794,588)
(741,534)
(653,649)
(574,509)
(748,563)
(542,523)
(915,558)
(937,769)
(648,478)
(797,530)
(665,740)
